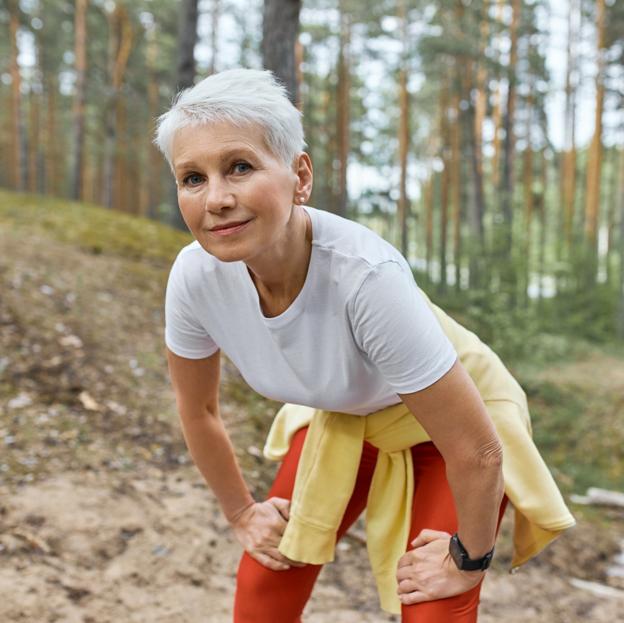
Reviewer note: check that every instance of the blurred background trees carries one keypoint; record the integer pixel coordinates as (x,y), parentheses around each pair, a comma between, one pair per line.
(483,138)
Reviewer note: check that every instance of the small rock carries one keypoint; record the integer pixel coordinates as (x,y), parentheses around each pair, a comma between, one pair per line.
(71,340)
(21,400)
(161,550)
(88,402)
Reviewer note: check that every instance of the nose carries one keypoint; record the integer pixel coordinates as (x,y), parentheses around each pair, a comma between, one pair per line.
(218,196)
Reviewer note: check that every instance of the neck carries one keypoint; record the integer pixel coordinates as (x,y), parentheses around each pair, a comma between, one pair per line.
(279,274)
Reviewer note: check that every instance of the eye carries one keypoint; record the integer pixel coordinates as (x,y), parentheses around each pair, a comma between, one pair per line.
(192,179)
(241,167)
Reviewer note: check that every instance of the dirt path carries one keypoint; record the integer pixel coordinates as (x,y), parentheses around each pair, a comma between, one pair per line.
(101,517)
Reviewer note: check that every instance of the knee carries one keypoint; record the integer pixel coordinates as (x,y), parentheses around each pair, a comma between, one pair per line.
(458,609)
(252,579)
(263,595)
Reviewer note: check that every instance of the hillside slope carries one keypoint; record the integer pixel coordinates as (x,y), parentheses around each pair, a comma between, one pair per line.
(102,518)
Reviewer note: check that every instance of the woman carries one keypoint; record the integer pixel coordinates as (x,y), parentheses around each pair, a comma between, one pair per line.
(321,312)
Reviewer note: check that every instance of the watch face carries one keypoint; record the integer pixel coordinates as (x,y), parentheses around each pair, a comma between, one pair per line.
(461,559)
(455,551)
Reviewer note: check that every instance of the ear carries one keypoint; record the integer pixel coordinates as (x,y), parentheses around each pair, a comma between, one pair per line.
(302,167)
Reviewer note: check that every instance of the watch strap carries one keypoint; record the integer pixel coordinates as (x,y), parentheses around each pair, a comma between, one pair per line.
(462,559)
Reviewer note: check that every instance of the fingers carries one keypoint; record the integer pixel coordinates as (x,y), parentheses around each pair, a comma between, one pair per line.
(403,572)
(426,536)
(282,505)
(266,561)
(415,597)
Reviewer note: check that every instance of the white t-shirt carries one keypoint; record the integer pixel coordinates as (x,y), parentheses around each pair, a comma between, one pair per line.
(358,333)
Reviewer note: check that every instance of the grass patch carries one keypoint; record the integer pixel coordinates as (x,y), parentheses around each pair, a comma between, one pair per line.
(579,433)
(93,228)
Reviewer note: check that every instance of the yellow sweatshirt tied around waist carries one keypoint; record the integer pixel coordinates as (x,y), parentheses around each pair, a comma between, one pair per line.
(330,460)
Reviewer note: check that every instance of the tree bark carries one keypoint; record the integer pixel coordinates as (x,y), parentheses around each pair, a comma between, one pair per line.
(33,141)
(120,44)
(187,38)
(52,150)
(455,180)
(611,214)
(403,129)
(80,26)
(154,162)
(509,145)
(594,161)
(620,313)
(497,113)
(527,188)
(444,182)
(343,117)
(280,27)
(184,79)
(568,160)
(17,169)
(215,14)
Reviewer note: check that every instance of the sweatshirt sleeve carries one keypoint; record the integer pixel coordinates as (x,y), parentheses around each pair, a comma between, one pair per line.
(184,334)
(396,329)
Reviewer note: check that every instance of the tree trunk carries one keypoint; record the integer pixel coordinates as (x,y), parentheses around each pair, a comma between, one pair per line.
(33,142)
(479,111)
(120,45)
(299,59)
(527,188)
(568,161)
(497,113)
(428,204)
(185,78)
(403,130)
(187,38)
(509,151)
(343,117)
(215,14)
(455,181)
(18,180)
(51,144)
(154,163)
(594,160)
(280,27)
(79,97)
(620,318)
(444,182)
(541,207)
(611,215)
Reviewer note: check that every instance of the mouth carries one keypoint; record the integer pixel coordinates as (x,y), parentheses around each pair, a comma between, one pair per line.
(229,228)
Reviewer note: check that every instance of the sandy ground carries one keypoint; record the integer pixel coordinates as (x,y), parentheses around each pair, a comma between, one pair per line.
(96,547)
(102,519)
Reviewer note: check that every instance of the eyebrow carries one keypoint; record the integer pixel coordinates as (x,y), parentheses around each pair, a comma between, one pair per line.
(226,155)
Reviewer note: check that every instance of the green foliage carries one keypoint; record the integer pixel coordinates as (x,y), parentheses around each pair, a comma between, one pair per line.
(93,228)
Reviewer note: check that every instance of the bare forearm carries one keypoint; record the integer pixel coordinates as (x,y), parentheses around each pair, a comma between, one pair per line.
(478,491)
(213,453)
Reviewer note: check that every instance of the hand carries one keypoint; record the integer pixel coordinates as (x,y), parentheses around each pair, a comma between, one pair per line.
(428,572)
(259,529)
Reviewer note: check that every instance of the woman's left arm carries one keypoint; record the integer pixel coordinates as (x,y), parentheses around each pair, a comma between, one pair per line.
(453,414)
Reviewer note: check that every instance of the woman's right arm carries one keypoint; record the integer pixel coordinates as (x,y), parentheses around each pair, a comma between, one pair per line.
(258,526)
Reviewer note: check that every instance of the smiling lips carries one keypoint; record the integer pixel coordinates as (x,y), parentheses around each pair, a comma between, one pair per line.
(229,228)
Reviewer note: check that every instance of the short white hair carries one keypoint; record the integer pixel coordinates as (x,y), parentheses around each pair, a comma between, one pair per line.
(243,97)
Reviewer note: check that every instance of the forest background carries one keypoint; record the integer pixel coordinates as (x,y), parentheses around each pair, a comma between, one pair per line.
(483,138)
(438,124)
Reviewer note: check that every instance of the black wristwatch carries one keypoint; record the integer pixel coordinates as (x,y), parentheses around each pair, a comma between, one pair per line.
(463,561)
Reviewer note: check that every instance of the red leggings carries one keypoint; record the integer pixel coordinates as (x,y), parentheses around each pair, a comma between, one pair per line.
(266,596)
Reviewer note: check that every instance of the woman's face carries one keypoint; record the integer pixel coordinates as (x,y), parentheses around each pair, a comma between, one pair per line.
(235,196)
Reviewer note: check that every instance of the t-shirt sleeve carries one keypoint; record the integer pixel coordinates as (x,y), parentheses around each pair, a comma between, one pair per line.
(184,334)
(395,327)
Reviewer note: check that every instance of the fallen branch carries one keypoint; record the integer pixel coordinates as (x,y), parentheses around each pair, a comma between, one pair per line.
(599,497)
(600,590)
